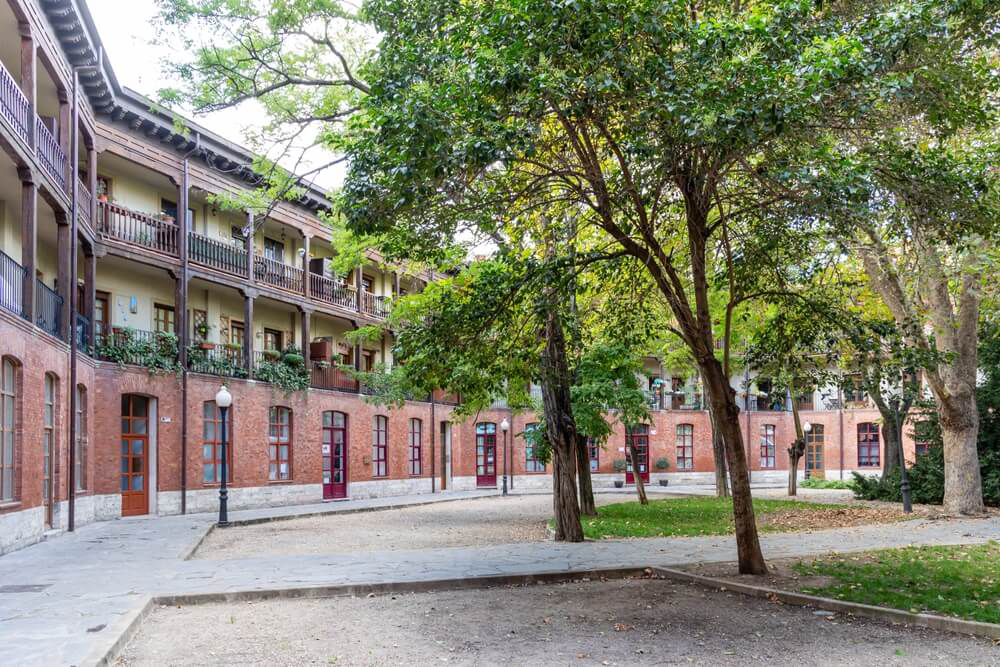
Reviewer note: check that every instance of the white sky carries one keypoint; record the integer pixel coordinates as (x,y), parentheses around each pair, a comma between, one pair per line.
(127,31)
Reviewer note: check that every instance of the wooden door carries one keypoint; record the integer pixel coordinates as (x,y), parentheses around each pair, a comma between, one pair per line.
(640,437)
(334,455)
(814,452)
(135,455)
(486,454)
(102,315)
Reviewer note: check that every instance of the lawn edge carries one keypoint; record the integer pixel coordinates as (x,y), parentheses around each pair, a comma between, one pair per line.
(887,614)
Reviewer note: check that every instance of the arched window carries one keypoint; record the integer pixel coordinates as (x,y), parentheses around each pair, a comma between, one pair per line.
(211,444)
(685,446)
(80,471)
(8,435)
(380,446)
(416,431)
(49,445)
(767,445)
(868,445)
(279,443)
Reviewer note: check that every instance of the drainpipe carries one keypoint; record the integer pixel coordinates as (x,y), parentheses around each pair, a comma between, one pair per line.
(432,441)
(182,219)
(840,414)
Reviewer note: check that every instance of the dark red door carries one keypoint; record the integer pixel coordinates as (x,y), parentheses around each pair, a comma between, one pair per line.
(639,436)
(334,455)
(486,454)
(135,454)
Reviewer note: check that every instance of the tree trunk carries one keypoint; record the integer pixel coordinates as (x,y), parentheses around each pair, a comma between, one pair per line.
(640,487)
(891,438)
(796,451)
(751,559)
(718,449)
(587,505)
(963,485)
(793,476)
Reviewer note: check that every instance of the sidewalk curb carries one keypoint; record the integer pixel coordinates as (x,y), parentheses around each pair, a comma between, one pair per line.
(122,630)
(886,614)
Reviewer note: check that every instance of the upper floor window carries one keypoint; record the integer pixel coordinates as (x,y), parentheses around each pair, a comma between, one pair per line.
(594,451)
(367,284)
(211,443)
(531,462)
(279,443)
(767,446)
(274,250)
(8,429)
(163,318)
(685,446)
(380,446)
(272,340)
(868,445)
(416,428)
(853,389)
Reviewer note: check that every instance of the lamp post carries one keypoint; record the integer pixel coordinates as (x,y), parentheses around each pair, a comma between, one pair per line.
(223,400)
(806,428)
(504,425)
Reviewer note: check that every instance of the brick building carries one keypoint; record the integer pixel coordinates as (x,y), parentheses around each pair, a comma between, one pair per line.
(162,277)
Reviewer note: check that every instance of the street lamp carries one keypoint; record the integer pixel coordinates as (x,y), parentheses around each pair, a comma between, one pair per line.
(504,425)
(223,400)
(805,446)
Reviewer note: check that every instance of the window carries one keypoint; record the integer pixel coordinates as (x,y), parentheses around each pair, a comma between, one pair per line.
(685,446)
(163,318)
(767,446)
(367,283)
(921,447)
(415,434)
(639,436)
(8,435)
(279,444)
(368,361)
(272,340)
(380,439)
(274,250)
(868,449)
(335,440)
(594,450)
(814,447)
(80,471)
(853,390)
(102,314)
(531,462)
(48,437)
(236,235)
(211,444)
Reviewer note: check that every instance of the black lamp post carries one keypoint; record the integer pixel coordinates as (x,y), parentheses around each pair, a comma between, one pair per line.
(504,425)
(223,400)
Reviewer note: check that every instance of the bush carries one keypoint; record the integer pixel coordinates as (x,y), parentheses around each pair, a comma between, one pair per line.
(661,464)
(816,483)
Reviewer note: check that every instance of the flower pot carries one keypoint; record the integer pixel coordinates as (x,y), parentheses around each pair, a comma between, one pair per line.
(619,483)
(206,346)
(102,198)
(664,482)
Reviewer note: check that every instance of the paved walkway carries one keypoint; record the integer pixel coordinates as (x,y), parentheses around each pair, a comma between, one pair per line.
(67,600)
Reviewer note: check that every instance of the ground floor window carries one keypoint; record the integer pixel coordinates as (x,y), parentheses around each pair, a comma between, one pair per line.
(594,452)
(211,444)
(685,446)
(767,446)
(380,447)
(416,428)
(279,443)
(868,445)
(531,462)
(80,473)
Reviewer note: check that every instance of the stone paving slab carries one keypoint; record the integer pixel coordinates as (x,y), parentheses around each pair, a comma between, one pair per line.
(105,572)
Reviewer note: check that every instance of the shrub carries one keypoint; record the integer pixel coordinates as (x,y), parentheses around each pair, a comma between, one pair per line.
(618,465)
(661,463)
(816,483)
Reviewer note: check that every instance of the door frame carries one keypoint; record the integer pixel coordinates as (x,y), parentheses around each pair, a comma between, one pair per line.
(346,459)
(151,453)
(815,445)
(643,458)
(489,443)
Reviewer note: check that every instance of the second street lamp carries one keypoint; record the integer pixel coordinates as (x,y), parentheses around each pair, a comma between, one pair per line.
(504,425)
(223,400)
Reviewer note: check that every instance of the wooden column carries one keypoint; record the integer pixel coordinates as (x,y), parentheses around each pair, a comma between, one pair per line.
(395,284)
(65,132)
(306,316)
(184,228)
(28,78)
(248,329)
(89,289)
(65,281)
(92,179)
(29,241)
(306,288)
(249,242)
(358,283)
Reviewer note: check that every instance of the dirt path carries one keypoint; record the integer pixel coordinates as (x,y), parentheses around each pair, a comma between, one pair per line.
(631,622)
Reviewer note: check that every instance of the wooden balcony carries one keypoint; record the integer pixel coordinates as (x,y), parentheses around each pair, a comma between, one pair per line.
(14,105)
(332,291)
(216,254)
(83,203)
(374,306)
(50,153)
(118,223)
(331,377)
(278,274)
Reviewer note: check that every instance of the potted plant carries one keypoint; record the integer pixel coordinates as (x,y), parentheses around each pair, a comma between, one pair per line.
(201,331)
(272,355)
(618,465)
(662,464)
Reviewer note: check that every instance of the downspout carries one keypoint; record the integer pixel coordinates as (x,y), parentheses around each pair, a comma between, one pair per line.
(840,414)
(432,442)
(71,328)
(182,216)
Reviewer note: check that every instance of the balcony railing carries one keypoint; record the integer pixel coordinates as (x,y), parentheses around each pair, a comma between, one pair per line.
(278,274)
(84,202)
(122,224)
(152,349)
(332,291)
(331,377)
(14,105)
(82,333)
(48,309)
(50,153)
(374,305)
(222,361)
(11,285)
(217,254)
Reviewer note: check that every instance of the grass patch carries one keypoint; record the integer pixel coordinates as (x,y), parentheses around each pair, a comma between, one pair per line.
(680,517)
(814,483)
(961,581)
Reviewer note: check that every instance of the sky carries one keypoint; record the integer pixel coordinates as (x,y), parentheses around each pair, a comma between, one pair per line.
(127,31)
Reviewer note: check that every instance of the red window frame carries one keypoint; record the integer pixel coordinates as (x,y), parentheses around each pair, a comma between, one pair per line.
(869,454)
(416,433)
(767,449)
(531,462)
(211,444)
(9,441)
(685,446)
(279,443)
(639,435)
(81,437)
(380,447)
(594,453)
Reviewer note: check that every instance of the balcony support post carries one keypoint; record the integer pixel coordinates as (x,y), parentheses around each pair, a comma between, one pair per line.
(395,284)
(89,288)
(359,288)
(306,315)
(306,288)
(92,179)
(28,85)
(29,240)
(65,129)
(183,241)
(249,247)
(65,281)
(248,330)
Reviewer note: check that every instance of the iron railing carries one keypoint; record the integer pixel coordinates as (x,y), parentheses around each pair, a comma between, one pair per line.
(217,254)
(222,361)
(11,285)
(278,274)
(48,309)
(123,224)
(375,306)
(50,153)
(14,105)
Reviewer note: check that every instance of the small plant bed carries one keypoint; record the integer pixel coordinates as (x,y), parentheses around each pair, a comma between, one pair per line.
(683,517)
(829,484)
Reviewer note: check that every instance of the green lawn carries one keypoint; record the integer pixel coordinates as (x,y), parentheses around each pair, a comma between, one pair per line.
(962,581)
(679,517)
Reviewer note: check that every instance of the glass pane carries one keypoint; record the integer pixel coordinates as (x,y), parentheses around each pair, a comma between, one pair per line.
(285,433)
(136,465)
(125,426)
(209,474)
(124,485)
(327,419)
(338,477)
(139,405)
(124,447)
(272,451)
(339,419)
(283,453)
(137,481)
(137,446)
(273,471)
(124,464)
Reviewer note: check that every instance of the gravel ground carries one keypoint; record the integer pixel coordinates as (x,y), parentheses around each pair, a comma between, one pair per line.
(475,522)
(630,622)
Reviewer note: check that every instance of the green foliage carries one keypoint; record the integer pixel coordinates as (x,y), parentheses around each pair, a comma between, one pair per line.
(157,352)
(956,581)
(287,371)
(225,365)
(817,483)
(619,465)
(661,463)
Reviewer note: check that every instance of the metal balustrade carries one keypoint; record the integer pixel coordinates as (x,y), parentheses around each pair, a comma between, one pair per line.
(220,360)
(84,202)
(50,153)
(123,224)
(332,291)
(278,274)
(217,254)
(373,305)
(11,285)
(48,308)
(14,105)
